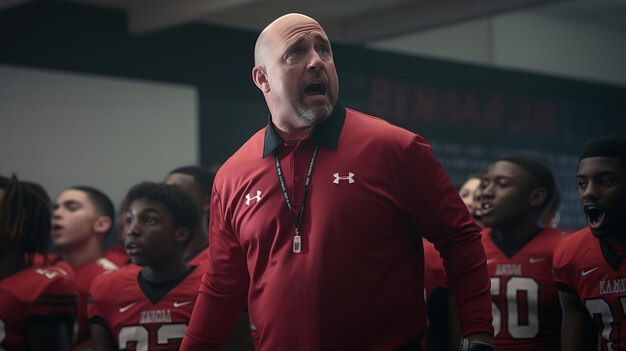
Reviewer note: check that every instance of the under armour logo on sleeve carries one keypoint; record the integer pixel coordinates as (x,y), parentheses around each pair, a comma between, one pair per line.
(250,198)
(349,178)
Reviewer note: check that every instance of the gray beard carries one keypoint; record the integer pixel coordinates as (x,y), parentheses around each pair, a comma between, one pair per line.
(310,116)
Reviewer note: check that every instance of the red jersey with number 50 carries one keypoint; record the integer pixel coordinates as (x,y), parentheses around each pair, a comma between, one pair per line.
(526,309)
(135,321)
(35,292)
(582,267)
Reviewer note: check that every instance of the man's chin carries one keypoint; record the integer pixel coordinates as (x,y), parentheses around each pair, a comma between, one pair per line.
(606,232)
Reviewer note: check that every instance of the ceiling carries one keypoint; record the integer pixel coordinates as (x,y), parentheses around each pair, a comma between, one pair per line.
(353,21)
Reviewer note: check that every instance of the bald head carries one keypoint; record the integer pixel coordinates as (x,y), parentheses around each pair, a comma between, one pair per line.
(268,37)
(295,71)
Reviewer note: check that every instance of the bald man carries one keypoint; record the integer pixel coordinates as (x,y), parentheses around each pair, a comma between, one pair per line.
(317,220)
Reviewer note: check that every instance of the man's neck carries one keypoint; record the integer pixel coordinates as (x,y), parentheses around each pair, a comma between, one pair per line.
(291,133)
(198,243)
(80,255)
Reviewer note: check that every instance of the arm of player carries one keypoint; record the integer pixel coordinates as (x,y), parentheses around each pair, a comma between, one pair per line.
(573,322)
(42,336)
(101,338)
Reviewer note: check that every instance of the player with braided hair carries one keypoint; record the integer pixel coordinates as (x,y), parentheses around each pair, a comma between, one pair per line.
(37,304)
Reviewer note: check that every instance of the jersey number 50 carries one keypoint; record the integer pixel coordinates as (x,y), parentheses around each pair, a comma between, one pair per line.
(515,288)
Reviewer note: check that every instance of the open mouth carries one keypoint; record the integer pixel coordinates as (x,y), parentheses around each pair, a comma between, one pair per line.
(315,89)
(485,208)
(133,248)
(595,216)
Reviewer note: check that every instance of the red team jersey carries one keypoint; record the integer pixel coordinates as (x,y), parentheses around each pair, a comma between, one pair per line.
(35,292)
(585,267)
(526,309)
(85,275)
(136,316)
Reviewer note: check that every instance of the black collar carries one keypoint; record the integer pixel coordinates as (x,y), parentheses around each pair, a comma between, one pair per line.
(613,259)
(326,133)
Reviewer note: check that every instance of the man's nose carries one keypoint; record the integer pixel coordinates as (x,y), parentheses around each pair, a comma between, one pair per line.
(590,191)
(315,61)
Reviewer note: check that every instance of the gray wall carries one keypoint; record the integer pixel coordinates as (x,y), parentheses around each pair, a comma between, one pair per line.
(61,129)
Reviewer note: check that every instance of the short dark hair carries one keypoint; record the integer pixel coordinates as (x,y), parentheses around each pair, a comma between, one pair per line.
(200,174)
(180,205)
(25,212)
(100,200)
(541,175)
(606,146)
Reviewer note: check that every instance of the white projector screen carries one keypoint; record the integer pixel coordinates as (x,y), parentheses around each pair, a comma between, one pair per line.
(61,129)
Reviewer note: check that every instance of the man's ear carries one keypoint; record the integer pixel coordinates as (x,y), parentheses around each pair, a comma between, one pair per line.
(182,235)
(538,196)
(102,224)
(260,79)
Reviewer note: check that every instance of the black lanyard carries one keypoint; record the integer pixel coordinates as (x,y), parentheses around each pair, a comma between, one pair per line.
(297,239)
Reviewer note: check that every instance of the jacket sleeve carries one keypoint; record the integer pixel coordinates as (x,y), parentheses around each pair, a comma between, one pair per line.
(223,291)
(438,213)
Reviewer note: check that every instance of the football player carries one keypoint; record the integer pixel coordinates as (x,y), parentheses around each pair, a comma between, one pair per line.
(37,304)
(515,192)
(589,264)
(147,306)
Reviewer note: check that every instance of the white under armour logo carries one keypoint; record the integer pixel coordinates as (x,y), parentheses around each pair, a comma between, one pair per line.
(250,198)
(349,178)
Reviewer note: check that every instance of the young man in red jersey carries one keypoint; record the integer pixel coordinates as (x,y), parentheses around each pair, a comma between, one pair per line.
(589,264)
(516,190)
(147,306)
(81,219)
(37,304)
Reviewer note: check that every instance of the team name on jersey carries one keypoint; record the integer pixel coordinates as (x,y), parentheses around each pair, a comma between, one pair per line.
(612,286)
(155,316)
(509,269)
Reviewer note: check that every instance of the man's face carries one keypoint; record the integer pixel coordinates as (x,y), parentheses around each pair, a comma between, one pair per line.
(73,219)
(602,195)
(467,192)
(150,233)
(505,195)
(301,72)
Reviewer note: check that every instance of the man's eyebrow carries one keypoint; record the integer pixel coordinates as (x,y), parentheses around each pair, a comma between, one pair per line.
(70,202)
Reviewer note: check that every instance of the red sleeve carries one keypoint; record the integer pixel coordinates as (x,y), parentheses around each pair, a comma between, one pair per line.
(563,264)
(97,301)
(438,212)
(223,291)
(59,297)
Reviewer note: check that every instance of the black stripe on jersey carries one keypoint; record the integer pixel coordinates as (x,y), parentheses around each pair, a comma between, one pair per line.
(51,319)
(68,301)
(57,296)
